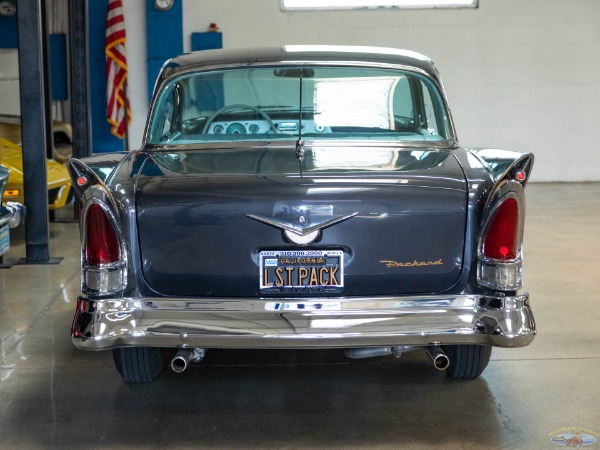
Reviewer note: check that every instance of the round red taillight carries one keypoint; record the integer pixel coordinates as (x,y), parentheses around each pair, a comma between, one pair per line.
(502,236)
(520,176)
(101,243)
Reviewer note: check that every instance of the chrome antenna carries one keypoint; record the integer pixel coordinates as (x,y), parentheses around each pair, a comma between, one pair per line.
(300,142)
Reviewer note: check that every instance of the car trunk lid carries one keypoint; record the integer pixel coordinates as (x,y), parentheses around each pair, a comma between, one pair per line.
(212,222)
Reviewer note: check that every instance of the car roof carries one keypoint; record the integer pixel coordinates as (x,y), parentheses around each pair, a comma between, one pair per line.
(298,54)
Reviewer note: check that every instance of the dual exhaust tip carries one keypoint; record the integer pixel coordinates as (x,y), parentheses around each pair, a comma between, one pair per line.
(440,360)
(185,356)
(438,357)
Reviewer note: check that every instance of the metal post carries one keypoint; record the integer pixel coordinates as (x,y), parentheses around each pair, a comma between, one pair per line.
(80,102)
(47,105)
(34,125)
(80,87)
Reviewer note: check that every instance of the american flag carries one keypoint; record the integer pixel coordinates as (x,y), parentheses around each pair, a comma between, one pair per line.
(118,113)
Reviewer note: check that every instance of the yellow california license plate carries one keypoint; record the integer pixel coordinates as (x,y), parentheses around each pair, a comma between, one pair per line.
(301,271)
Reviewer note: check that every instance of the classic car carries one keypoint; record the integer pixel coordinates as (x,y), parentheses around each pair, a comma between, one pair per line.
(11,214)
(62,135)
(302,197)
(58,180)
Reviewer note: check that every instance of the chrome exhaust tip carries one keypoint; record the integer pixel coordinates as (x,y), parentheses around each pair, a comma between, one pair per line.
(438,357)
(182,359)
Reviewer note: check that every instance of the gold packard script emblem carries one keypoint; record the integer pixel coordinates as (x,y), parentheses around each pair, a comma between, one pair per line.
(415,263)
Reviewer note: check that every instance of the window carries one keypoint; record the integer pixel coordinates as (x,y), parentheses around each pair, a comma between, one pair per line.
(298,5)
(263,104)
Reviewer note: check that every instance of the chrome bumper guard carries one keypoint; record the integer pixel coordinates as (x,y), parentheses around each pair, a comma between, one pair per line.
(101,324)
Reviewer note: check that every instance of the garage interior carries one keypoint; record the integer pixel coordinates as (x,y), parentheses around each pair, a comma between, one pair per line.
(520,75)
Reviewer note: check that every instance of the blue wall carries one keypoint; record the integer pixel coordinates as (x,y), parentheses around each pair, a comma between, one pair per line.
(207,40)
(8,32)
(58,67)
(164,38)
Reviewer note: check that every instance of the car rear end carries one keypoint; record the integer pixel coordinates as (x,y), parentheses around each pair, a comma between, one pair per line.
(372,231)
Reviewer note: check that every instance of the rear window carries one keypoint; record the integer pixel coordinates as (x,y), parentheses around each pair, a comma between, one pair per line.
(280,103)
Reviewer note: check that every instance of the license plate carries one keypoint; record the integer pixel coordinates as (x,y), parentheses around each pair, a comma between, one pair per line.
(301,271)
(4,240)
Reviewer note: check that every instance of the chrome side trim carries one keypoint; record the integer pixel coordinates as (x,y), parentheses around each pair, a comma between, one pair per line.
(297,323)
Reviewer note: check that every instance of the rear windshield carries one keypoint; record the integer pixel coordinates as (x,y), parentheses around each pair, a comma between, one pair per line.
(280,103)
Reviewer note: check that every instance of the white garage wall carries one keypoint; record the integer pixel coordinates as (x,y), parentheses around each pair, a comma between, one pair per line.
(137,78)
(9,82)
(520,74)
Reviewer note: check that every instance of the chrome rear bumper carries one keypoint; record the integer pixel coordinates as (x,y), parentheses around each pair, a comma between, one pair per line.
(303,323)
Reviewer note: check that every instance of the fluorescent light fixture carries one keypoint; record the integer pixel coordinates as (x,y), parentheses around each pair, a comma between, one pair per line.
(354,102)
(375,4)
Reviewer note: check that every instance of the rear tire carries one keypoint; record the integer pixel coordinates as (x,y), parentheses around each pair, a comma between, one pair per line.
(467,361)
(138,364)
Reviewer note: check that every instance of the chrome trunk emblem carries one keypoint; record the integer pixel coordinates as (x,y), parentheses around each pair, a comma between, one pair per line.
(302,240)
(301,235)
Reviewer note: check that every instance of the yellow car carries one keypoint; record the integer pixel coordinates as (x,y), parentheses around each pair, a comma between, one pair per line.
(59,184)
(62,136)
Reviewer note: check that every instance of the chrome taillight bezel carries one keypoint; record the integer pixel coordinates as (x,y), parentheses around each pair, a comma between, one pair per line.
(102,279)
(501,274)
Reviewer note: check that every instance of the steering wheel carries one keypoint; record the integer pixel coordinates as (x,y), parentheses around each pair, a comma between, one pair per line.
(228,108)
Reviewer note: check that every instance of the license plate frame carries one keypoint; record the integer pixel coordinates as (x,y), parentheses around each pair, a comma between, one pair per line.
(301,271)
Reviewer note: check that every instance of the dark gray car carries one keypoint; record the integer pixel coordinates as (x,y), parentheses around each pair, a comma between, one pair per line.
(302,197)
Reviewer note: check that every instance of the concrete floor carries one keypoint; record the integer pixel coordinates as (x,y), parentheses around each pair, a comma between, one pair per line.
(55,396)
